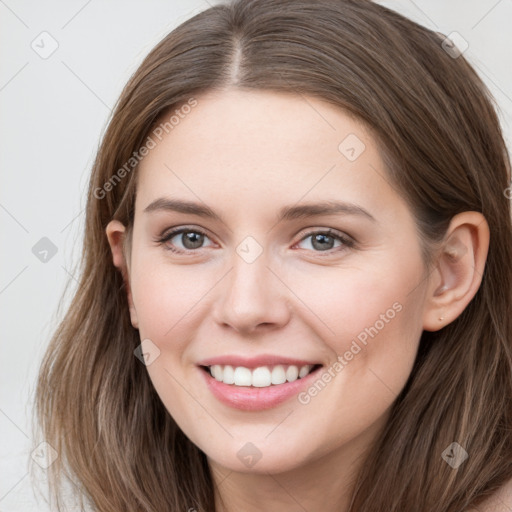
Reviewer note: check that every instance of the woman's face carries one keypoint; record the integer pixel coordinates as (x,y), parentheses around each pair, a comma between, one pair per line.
(256,281)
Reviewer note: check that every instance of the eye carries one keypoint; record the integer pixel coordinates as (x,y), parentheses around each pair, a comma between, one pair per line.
(190,239)
(324,241)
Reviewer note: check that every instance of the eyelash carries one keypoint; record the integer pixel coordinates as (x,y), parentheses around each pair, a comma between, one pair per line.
(347,242)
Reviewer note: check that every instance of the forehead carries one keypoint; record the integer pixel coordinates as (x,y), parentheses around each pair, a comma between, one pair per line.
(262,148)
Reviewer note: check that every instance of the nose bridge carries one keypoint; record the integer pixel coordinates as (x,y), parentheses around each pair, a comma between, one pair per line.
(252,295)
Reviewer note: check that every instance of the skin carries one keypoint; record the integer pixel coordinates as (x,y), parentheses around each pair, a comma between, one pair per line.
(246,155)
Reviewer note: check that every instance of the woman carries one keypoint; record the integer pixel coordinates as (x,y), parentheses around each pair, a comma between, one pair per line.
(296,290)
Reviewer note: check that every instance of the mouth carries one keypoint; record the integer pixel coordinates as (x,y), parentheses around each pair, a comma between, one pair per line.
(260,377)
(258,388)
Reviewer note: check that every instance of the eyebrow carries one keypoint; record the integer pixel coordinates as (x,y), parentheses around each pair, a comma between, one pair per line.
(286,213)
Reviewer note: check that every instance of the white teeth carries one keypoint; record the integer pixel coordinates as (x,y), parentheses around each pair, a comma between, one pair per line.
(228,375)
(243,376)
(278,375)
(292,373)
(216,371)
(260,377)
(303,371)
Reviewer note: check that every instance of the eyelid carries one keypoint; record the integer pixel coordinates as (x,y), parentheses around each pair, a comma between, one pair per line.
(325,231)
(171,232)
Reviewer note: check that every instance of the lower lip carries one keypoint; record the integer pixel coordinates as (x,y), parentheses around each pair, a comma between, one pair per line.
(248,398)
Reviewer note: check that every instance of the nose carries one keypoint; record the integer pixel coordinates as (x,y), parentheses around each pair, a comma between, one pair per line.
(252,298)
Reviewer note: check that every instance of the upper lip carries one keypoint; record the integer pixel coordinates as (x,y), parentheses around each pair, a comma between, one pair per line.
(255,362)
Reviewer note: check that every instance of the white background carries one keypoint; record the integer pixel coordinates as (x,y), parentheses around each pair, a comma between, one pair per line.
(53,113)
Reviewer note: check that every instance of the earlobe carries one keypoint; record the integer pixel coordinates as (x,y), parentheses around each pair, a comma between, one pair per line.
(459,268)
(116,234)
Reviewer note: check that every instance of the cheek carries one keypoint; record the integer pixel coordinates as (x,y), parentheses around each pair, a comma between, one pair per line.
(361,302)
(166,295)
(370,318)
(169,300)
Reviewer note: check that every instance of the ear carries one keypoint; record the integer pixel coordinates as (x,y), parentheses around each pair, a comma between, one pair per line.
(458,270)
(116,234)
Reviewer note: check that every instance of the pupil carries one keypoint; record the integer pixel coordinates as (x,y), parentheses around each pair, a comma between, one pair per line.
(322,246)
(193,240)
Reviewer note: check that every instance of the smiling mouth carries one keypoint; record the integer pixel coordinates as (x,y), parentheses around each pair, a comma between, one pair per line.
(261,377)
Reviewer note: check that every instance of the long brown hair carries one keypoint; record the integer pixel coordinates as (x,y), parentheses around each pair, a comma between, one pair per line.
(439,135)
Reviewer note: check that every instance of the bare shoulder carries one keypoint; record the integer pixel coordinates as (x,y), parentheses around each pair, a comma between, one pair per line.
(500,501)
